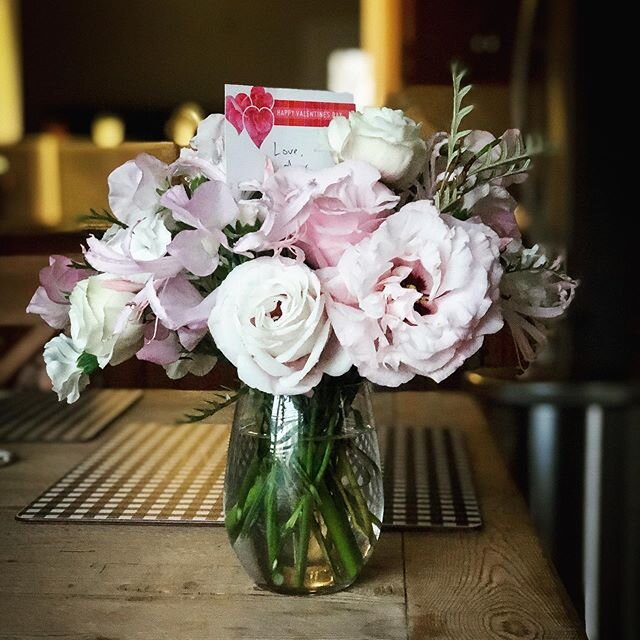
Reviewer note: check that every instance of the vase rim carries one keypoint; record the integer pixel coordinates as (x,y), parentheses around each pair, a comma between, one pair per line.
(361,384)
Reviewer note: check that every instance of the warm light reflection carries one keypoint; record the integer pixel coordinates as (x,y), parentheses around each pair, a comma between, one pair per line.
(183,123)
(10,74)
(523,218)
(381,38)
(47,192)
(352,70)
(107,131)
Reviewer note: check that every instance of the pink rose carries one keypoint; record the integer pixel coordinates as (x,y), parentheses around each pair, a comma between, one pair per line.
(51,299)
(351,203)
(417,297)
(321,212)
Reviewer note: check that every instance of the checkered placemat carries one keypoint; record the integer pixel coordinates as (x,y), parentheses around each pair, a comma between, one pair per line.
(168,474)
(427,479)
(38,416)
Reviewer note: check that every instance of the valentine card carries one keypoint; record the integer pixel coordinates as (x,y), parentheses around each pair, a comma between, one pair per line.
(286,125)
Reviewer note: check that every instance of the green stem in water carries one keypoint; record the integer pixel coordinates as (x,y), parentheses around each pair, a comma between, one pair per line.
(302,549)
(340,533)
(271,513)
(233,520)
(356,492)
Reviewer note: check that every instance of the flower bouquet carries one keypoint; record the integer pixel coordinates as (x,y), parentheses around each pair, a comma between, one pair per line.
(394,262)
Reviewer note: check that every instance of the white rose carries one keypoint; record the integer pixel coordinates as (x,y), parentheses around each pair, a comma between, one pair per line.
(270,321)
(61,360)
(101,322)
(383,137)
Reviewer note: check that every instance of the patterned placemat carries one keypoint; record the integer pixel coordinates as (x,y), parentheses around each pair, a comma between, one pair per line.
(36,416)
(168,474)
(427,479)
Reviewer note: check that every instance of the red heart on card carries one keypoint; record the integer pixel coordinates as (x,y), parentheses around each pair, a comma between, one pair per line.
(233,113)
(243,101)
(258,123)
(261,98)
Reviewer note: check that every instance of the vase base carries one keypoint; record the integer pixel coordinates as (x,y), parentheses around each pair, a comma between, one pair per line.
(304,591)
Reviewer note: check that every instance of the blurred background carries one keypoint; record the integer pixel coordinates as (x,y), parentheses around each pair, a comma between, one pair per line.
(85,86)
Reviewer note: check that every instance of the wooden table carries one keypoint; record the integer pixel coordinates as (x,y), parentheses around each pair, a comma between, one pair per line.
(108,582)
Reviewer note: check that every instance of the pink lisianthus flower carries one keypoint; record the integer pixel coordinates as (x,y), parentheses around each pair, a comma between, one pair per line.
(51,299)
(417,297)
(210,209)
(321,212)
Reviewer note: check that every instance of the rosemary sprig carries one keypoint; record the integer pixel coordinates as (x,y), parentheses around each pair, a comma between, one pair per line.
(102,217)
(501,158)
(221,401)
(456,135)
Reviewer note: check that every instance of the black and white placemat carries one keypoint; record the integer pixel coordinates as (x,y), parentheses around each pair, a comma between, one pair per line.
(167,474)
(427,479)
(38,416)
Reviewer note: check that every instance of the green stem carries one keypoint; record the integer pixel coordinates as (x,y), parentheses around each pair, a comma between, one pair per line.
(302,549)
(235,515)
(356,492)
(340,533)
(271,513)
(322,543)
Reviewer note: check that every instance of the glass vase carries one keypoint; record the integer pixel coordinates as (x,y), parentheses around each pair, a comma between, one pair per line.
(303,487)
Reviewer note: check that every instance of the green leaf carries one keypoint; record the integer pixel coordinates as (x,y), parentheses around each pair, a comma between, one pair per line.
(194,183)
(87,362)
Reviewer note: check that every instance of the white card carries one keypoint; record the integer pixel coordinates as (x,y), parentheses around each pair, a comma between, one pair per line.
(286,125)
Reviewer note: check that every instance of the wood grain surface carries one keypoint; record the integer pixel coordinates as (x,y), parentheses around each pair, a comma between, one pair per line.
(104,582)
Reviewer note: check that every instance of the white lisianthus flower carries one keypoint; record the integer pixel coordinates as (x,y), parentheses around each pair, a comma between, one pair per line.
(383,137)
(61,357)
(101,319)
(270,321)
